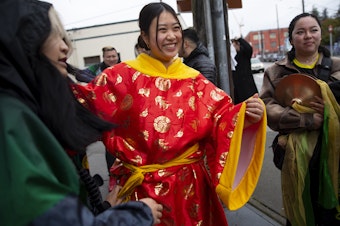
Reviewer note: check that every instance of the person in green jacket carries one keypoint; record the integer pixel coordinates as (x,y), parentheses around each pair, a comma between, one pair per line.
(43,129)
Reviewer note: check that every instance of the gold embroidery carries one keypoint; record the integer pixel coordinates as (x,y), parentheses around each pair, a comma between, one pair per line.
(163,144)
(144,113)
(81,100)
(200,94)
(234,120)
(179,134)
(128,145)
(161,102)
(138,159)
(191,86)
(218,176)
(161,172)
(222,126)
(145,135)
(109,97)
(162,189)
(161,124)
(119,79)
(230,134)
(188,191)
(194,124)
(178,94)
(92,95)
(144,92)
(192,103)
(215,95)
(223,159)
(126,103)
(101,80)
(180,113)
(163,84)
(135,76)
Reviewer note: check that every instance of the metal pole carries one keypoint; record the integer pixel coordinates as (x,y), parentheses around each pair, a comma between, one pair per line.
(260,44)
(303,6)
(208,28)
(222,59)
(331,43)
(278,32)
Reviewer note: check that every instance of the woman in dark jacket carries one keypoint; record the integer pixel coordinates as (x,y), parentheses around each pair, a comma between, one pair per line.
(244,84)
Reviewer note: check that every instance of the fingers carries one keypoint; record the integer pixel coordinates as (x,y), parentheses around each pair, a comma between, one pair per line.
(158,214)
(318,105)
(156,209)
(112,197)
(254,109)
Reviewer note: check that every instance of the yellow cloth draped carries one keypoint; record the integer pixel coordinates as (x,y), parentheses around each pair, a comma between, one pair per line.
(152,67)
(137,173)
(299,150)
(244,162)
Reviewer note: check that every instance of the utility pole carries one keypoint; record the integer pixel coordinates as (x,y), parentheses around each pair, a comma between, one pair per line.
(278,32)
(221,37)
(303,6)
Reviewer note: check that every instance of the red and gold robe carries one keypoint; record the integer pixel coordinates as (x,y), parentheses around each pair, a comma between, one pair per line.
(179,138)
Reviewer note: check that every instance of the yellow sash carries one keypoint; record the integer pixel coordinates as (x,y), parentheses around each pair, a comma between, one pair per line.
(137,175)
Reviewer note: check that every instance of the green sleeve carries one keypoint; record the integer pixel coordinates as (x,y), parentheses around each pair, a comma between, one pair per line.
(35,171)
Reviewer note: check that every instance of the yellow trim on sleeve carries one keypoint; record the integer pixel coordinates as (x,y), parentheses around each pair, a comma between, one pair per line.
(235,193)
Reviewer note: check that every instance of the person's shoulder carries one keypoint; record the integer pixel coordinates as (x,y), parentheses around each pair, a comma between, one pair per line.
(14,111)
(9,102)
(336,60)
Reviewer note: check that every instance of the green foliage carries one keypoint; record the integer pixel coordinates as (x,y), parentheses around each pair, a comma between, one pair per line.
(327,20)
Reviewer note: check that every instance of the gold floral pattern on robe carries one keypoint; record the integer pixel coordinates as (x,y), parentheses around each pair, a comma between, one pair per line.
(164,117)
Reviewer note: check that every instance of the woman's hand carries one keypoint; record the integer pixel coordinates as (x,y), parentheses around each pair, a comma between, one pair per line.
(319,106)
(254,110)
(112,197)
(156,209)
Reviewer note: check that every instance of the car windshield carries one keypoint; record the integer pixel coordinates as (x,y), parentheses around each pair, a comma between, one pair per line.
(255,60)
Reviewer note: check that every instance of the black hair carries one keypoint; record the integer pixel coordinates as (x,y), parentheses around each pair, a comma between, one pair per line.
(151,11)
(191,34)
(291,53)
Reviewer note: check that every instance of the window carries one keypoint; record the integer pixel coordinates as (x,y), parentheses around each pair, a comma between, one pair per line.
(91,60)
(273,44)
(272,35)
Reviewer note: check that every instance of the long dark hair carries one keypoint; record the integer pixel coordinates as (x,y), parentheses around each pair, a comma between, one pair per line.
(291,53)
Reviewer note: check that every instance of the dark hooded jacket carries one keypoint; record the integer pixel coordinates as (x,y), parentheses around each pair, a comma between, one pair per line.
(199,60)
(244,84)
(39,119)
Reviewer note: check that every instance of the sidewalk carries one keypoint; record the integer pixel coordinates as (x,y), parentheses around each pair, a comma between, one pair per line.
(263,209)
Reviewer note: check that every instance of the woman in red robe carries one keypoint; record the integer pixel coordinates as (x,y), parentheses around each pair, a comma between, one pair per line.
(180,139)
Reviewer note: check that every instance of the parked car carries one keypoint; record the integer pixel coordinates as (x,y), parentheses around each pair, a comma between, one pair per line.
(256,65)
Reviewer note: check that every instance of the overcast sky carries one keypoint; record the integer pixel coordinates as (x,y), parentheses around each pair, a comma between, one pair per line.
(255,14)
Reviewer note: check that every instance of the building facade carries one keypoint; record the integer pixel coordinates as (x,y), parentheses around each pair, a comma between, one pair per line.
(269,45)
(87,42)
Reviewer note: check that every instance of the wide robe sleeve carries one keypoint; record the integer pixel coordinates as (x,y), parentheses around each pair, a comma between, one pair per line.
(243,162)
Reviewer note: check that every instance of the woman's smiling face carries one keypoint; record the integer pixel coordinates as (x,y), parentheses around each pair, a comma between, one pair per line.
(164,38)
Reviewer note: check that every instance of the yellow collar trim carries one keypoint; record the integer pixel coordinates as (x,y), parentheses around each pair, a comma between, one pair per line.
(152,67)
(307,66)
